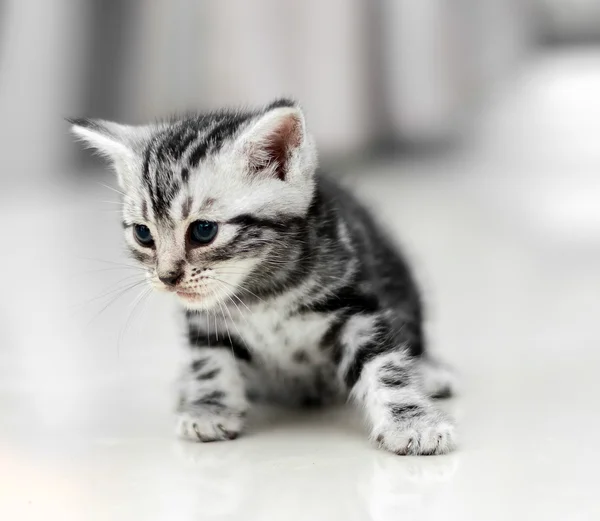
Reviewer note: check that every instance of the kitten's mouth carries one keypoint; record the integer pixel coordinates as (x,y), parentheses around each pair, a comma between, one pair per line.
(188,295)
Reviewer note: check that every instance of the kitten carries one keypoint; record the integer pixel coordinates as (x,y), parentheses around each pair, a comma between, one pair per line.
(292,293)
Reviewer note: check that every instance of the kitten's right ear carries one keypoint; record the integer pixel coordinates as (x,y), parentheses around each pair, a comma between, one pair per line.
(120,144)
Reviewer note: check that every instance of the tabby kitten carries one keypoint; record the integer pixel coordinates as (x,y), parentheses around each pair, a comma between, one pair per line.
(291,292)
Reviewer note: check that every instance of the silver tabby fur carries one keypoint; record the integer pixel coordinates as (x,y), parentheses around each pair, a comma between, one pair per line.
(300,299)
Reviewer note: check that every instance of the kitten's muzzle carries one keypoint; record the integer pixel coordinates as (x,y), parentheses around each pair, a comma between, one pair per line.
(171,278)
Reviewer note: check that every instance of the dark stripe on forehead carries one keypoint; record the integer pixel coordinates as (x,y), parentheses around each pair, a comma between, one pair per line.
(145,210)
(198,153)
(180,142)
(164,183)
(226,125)
(147,176)
(162,144)
(175,142)
(146,164)
(186,208)
(185,174)
(159,176)
(167,188)
(223,130)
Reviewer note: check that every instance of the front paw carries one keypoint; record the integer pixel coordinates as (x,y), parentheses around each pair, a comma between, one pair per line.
(206,425)
(428,433)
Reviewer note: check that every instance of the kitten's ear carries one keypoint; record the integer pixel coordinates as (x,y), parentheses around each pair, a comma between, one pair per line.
(270,143)
(120,144)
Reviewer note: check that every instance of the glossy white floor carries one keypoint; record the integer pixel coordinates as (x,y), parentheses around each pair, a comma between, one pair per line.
(506,239)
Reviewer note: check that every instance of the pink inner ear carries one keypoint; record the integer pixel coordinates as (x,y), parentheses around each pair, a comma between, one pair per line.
(275,148)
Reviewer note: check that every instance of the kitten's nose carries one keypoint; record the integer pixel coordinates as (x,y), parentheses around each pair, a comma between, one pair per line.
(171,278)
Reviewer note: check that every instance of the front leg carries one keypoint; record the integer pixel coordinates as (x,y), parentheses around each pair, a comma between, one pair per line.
(212,402)
(376,367)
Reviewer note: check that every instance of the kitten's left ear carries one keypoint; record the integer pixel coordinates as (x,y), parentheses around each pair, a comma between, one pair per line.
(120,144)
(271,143)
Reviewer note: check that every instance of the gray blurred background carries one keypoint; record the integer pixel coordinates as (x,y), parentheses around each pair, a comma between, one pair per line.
(372,75)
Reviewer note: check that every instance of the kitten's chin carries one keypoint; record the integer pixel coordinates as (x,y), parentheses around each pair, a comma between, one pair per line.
(197,301)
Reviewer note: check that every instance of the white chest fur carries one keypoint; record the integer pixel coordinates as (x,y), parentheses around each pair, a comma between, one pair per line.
(283,340)
(290,363)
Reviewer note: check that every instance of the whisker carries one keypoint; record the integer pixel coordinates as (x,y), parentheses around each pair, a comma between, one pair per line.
(207,329)
(100,270)
(237,307)
(216,328)
(224,319)
(303,272)
(236,327)
(113,189)
(133,306)
(235,286)
(241,302)
(109,291)
(234,323)
(113,300)
(120,203)
(115,263)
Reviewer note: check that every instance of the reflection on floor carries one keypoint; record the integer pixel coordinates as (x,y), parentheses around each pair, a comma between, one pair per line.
(505,238)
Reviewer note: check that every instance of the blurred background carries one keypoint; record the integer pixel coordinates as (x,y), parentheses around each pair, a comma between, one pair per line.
(471,127)
(372,76)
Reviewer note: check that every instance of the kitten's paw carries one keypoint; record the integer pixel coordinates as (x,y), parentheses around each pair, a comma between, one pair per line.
(209,426)
(429,434)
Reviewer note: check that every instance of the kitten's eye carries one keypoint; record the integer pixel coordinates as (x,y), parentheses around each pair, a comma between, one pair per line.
(143,235)
(203,232)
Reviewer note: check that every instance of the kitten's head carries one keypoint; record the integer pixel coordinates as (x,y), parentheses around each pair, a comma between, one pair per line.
(212,202)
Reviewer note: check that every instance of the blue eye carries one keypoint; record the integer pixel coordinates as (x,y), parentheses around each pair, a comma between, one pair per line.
(203,232)
(143,235)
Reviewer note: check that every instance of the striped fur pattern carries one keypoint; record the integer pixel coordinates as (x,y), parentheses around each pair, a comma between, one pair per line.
(299,299)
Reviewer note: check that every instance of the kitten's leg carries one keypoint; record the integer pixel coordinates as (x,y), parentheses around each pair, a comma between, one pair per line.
(381,375)
(212,403)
